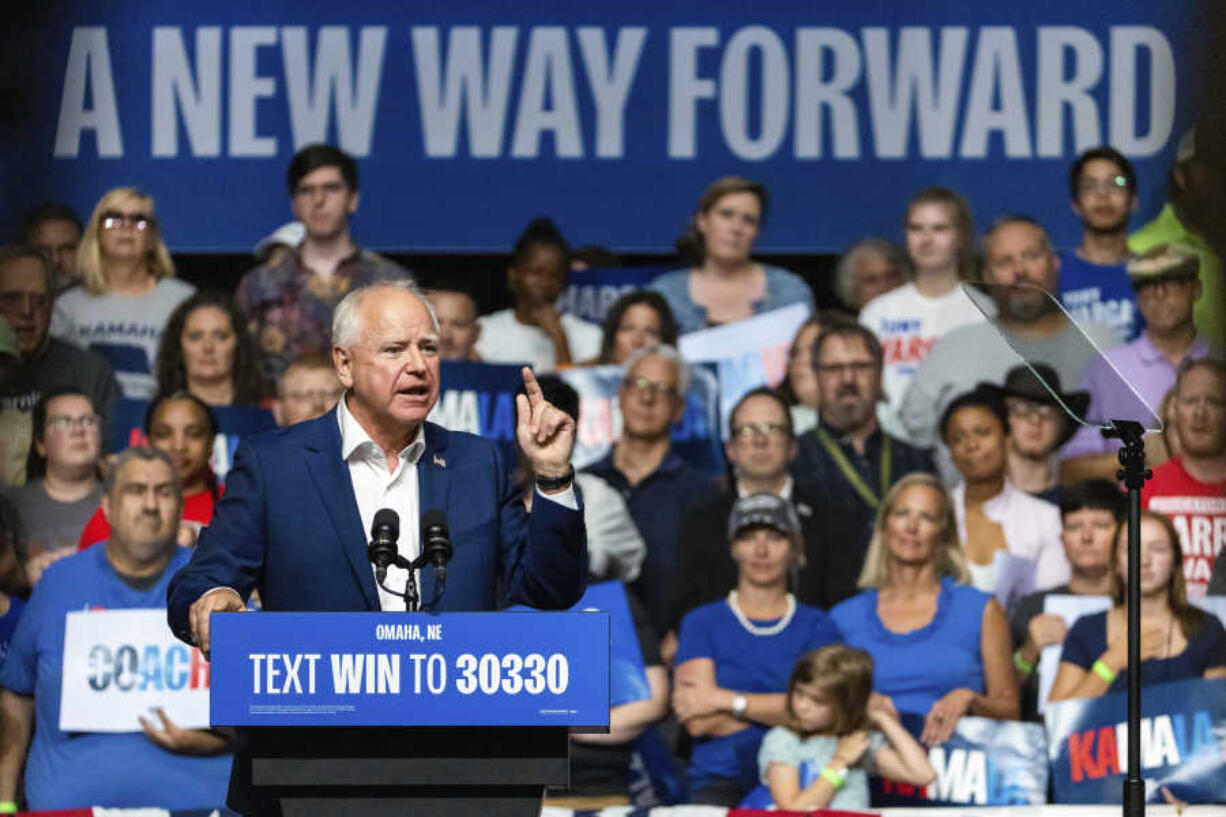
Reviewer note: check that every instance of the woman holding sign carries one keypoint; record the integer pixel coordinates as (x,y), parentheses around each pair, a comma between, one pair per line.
(940,648)
(723,283)
(1178,641)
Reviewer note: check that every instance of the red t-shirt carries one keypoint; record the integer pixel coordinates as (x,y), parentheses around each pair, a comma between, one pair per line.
(1198,510)
(197,511)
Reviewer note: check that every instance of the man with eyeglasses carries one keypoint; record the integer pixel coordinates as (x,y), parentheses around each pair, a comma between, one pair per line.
(848,456)
(288,305)
(1093,283)
(1022,272)
(309,388)
(45,363)
(1190,487)
(1037,428)
(659,487)
(760,448)
(1167,286)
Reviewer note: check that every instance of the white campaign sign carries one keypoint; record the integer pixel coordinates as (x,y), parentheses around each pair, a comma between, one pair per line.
(120,665)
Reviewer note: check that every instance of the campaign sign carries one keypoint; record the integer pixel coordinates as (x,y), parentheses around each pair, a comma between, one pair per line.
(986,762)
(411,669)
(591,292)
(1183,744)
(748,354)
(480,398)
(120,665)
(233,424)
(695,438)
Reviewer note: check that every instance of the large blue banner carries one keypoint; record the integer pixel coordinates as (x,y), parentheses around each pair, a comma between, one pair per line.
(410,669)
(469,119)
(1183,744)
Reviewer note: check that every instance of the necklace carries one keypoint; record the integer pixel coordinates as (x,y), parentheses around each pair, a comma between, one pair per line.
(753,629)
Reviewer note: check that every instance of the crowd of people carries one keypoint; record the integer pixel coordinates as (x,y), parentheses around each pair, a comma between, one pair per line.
(891,520)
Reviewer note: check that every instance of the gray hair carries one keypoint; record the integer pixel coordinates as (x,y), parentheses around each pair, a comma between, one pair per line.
(345,318)
(844,272)
(145,454)
(666,352)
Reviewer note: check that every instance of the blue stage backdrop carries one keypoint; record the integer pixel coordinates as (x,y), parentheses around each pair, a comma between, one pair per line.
(470,119)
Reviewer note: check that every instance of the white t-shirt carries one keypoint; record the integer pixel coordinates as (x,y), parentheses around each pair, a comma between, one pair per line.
(506,340)
(908,324)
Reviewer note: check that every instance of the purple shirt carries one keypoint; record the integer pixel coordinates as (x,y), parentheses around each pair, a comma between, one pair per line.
(1150,373)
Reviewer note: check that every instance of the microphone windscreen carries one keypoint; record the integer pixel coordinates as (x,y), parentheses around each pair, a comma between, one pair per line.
(434,518)
(387,520)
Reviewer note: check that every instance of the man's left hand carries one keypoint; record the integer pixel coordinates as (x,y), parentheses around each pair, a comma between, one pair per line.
(546,433)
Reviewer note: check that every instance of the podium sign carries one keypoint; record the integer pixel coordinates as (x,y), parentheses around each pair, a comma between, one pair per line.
(401,669)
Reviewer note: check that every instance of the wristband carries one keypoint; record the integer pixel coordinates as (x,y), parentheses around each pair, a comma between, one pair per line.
(1103,671)
(556,483)
(8,807)
(1021,663)
(740,705)
(835,779)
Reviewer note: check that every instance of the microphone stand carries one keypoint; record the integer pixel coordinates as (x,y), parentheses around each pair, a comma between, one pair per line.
(1133,474)
(412,601)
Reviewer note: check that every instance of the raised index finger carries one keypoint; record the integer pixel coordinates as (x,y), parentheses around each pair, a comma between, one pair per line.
(532,389)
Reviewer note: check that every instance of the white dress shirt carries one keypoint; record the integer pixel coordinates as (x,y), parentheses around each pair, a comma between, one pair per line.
(375,488)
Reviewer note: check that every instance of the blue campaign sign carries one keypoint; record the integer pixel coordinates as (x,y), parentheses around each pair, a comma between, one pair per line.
(591,292)
(480,398)
(402,669)
(1182,746)
(468,119)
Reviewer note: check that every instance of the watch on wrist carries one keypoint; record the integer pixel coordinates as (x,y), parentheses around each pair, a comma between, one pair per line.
(556,483)
(740,705)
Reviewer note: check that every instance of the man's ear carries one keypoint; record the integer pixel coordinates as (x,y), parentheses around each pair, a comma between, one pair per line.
(342,362)
(106,507)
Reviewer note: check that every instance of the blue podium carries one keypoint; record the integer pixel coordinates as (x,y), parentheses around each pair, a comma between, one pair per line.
(406,714)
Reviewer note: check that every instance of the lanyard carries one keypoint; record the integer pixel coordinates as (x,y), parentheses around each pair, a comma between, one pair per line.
(853,476)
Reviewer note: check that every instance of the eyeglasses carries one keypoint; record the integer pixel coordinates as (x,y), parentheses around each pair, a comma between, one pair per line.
(113,219)
(649,387)
(1027,410)
(61,423)
(858,367)
(327,188)
(23,301)
(1111,185)
(1162,286)
(764,429)
(315,395)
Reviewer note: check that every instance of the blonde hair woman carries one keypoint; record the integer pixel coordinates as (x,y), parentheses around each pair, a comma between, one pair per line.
(940,647)
(127,290)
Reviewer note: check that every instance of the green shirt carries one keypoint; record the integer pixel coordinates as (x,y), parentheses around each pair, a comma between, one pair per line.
(1167,228)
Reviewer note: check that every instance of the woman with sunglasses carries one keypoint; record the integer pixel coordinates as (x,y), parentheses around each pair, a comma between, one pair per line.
(127,290)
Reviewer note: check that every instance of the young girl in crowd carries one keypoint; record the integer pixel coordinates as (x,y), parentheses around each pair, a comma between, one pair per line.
(822,758)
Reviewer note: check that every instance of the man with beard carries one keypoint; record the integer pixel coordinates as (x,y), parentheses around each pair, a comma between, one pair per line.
(1093,281)
(848,457)
(288,305)
(1022,273)
(1190,487)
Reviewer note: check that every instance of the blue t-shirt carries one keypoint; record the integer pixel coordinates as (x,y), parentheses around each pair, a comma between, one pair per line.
(67,771)
(918,668)
(1099,293)
(783,288)
(746,663)
(1087,641)
(8,625)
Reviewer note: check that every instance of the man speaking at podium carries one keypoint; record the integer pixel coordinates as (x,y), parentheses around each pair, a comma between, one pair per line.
(300,501)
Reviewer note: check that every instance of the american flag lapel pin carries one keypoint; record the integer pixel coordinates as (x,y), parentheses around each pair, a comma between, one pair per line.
(439,461)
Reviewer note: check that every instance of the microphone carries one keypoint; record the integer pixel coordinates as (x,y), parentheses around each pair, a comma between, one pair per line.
(384,532)
(436,545)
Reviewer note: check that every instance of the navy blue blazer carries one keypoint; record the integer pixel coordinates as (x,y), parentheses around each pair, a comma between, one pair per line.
(289,525)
